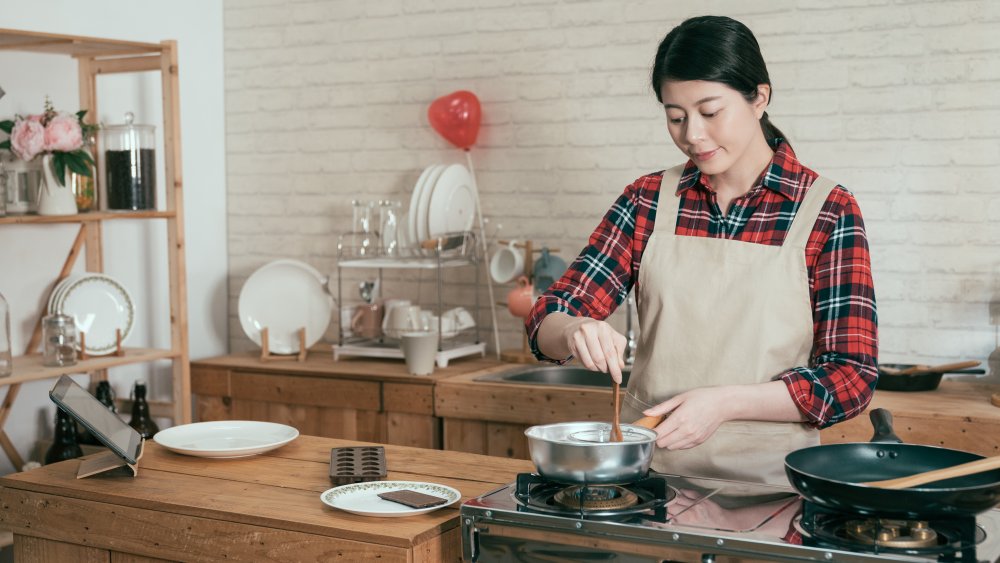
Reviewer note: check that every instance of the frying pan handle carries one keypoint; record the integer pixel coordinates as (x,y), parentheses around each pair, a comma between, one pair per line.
(882,422)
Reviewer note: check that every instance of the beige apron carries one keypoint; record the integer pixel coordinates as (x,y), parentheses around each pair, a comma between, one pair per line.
(723,312)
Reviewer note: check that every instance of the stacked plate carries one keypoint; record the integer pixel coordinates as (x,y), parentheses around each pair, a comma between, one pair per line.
(443,201)
(99,304)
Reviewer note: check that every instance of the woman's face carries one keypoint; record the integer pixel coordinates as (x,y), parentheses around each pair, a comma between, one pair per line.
(712,123)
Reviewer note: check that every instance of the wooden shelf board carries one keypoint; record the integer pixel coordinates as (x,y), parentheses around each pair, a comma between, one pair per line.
(74,45)
(86,217)
(30,368)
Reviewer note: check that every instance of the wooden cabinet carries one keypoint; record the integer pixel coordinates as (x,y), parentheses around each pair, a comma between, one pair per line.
(354,399)
(98,57)
(490,418)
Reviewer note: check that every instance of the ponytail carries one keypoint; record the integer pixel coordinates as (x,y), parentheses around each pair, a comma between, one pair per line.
(771,133)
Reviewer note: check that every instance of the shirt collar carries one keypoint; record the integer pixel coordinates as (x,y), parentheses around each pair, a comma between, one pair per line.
(784,165)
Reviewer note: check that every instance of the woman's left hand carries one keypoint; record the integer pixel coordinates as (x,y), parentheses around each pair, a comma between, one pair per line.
(692,417)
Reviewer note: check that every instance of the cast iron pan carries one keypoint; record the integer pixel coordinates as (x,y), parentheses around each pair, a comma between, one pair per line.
(829,475)
(915,382)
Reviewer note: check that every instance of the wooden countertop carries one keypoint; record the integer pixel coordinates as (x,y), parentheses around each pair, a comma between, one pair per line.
(274,491)
(319,363)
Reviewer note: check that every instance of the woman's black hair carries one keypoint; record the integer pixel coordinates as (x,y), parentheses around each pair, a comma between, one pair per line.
(715,49)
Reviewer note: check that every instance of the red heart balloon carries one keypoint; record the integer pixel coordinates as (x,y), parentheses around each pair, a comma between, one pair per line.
(456,117)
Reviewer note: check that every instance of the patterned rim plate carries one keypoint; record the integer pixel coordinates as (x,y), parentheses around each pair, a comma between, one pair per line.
(363,499)
(100,305)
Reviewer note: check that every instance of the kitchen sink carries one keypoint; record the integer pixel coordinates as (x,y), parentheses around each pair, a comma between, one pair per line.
(555,375)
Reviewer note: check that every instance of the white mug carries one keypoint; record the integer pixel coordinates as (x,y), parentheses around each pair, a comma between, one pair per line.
(389,305)
(507,263)
(402,318)
(461,317)
(429,322)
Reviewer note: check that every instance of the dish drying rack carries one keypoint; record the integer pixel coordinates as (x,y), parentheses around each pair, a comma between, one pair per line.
(449,250)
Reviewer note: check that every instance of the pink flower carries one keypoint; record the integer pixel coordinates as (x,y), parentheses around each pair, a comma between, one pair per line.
(27,139)
(37,118)
(63,133)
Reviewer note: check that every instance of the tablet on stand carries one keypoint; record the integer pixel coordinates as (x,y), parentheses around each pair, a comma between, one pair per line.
(125,445)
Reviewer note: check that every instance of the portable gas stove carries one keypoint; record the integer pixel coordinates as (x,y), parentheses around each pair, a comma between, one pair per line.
(675,518)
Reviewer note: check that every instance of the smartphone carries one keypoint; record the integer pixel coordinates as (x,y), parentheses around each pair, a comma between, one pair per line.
(95,417)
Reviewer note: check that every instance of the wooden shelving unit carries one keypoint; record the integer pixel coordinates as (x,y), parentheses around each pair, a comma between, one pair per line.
(95,57)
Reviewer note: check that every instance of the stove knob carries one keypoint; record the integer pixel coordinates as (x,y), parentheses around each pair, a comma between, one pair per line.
(708,558)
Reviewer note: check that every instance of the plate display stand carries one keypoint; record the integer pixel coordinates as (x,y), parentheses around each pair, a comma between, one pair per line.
(119,351)
(267,356)
(452,250)
(100,57)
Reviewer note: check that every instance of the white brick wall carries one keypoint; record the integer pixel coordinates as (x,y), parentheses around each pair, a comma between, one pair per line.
(897,100)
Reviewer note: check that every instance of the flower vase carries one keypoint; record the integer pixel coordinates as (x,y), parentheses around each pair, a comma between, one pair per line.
(54,198)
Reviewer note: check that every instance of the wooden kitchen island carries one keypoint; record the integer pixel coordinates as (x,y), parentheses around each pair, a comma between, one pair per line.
(259,508)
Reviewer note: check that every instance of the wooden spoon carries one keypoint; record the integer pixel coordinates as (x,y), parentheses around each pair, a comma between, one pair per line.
(616,429)
(960,470)
(942,368)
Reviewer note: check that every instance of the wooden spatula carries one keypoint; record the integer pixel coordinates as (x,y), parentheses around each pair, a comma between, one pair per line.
(616,429)
(961,470)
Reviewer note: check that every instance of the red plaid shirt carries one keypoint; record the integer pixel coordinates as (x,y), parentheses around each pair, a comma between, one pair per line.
(839,381)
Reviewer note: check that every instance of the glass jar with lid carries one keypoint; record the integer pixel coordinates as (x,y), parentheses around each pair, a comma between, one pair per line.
(59,340)
(130,165)
(22,180)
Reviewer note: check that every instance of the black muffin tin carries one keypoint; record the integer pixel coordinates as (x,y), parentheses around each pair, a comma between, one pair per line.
(357,464)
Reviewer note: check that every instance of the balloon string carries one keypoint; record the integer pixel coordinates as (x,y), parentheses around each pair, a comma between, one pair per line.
(482,239)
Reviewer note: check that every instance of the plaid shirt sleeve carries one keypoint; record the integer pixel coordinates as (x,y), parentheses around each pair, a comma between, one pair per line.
(601,276)
(840,380)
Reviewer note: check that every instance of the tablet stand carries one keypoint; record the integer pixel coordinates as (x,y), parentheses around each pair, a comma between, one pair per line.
(265,352)
(108,461)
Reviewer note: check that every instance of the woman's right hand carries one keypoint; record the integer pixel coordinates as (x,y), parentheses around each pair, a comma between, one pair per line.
(598,346)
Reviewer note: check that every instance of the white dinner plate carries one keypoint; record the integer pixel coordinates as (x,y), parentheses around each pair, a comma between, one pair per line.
(99,305)
(225,438)
(284,296)
(58,289)
(452,205)
(415,200)
(425,199)
(363,499)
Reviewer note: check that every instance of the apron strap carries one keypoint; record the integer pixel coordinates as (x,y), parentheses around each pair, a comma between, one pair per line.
(668,203)
(808,212)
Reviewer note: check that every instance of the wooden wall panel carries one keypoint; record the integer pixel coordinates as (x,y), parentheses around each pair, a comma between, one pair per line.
(420,431)
(29,549)
(506,440)
(317,391)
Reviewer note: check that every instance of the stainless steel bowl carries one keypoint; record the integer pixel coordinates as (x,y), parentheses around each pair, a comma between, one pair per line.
(568,453)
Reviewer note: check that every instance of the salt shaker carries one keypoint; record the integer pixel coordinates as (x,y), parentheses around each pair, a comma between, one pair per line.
(59,337)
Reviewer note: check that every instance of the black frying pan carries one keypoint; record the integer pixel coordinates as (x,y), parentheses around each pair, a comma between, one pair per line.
(829,475)
(914,382)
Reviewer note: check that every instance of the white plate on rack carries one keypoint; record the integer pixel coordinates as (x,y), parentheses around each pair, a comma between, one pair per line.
(363,499)
(99,305)
(452,205)
(284,296)
(225,438)
(415,200)
(425,199)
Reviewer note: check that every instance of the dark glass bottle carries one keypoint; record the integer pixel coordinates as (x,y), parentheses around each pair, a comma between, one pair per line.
(141,421)
(106,396)
(64,445)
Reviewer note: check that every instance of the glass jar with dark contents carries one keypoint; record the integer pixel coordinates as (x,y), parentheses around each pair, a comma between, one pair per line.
(130,165)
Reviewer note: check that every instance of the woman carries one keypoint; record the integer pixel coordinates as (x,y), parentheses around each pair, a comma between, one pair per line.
(752,275)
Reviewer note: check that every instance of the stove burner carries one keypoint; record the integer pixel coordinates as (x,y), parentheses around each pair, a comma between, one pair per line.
(586,498)
(645,499)
(892,533)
